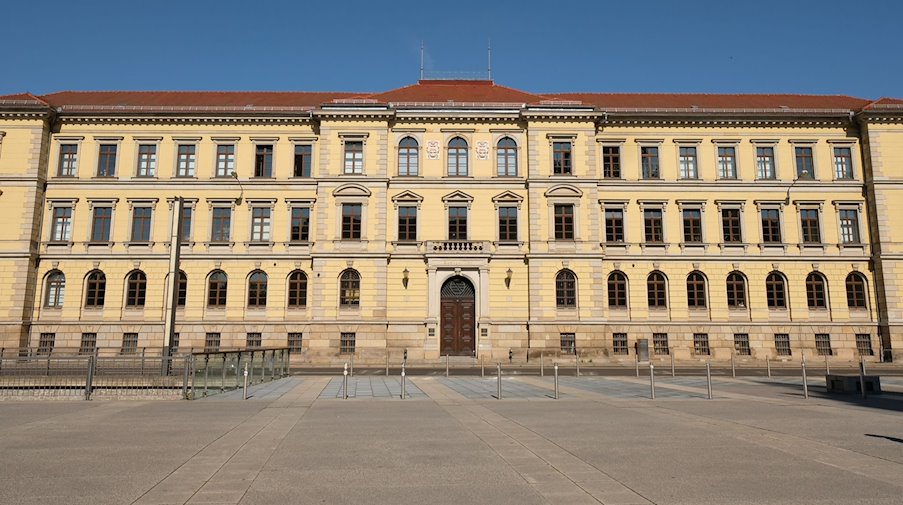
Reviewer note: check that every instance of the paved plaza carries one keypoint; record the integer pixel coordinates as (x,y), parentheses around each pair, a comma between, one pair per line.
(297,440)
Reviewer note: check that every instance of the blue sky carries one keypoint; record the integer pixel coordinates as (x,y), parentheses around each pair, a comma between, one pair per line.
(761,46)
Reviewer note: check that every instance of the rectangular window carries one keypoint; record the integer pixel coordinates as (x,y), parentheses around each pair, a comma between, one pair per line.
(649,162)
(263,160)
(652,224)
(507,224)
(300,226)
(88,343)
(61,227)
(457,223)
(619,344)
(568,343)
(564,222)
(727,162)
(823,344)
(174,344)
(701,344)
(68,160)
(561,158)
(260,224)
(211,342)
(741,344)
(660,344)
(351,221)
(805,165)
(129,343)
(407,224)
(771,226)
(614,226)
(809,223)
(147,160)
(863,344)
(849,226)
(106,161)
(141,224)
(354,157)
(765,163)
(688,166)
(346,343)
(45,344)
(221,227)
(782,344)
(843,163)
(185,160)
(253,340)
(730,226)
(611,162)
(225,160)
(100,224)
(303,157)
(187,213)
(692,225)
(294,341)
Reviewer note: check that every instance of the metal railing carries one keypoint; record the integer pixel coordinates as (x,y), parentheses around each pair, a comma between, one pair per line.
(219,372)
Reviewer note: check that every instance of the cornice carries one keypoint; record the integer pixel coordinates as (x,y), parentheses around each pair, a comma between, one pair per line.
(178,120)
(720,122)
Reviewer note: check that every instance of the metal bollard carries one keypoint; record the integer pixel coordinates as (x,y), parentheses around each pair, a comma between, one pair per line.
(206,372)
(862,377)
(510,356)
(862,364)
(345,382)
(387,363)
(222,385)
(403,393)
(672,362)
(708,378)
(446,365)
(89,380)
(805,381)
(542,371)
(351,372)
(652,380)
(556,381)
(733,368)
(482,369)
(636,362)
(499,372)
(768,366)
(245,387)
(577,361)
(827,367)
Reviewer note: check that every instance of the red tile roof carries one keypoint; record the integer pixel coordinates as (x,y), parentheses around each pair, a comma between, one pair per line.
(885,103)
(179,99)
(713,101)
(22,97)
(462,92)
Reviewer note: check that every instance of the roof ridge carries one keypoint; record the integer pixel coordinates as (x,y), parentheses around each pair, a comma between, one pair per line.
(185,91)
(690,93)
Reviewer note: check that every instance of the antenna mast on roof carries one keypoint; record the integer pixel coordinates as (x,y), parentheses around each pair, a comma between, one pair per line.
(421,60)
(489,52)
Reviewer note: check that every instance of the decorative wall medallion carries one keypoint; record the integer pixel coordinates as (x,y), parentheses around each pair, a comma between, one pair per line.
(432,150)
(482,150)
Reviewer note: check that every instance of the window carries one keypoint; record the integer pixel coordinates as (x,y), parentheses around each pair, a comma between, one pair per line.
(731,226)
(506,157)
(863,344)
(407,223)
(216,289)
(614,226)
(347,343)
(617,290)
(657,290)
(507,224)
(649,162)
(692,225)
(843,163)
(696,290)
(823,344)
(568,343)
(741,344)
(849,226)
(294,341)
(564,222)
(129,343)
(736,291)
(260,224)
(88,343)
(561,158)
(136,289)
(56,290)
(68,160)
(185,160)
(856,291)
(45,344)
(457,157)
(182,289)
(253,340)
(816,293)
(771,226)
(688,165)
(174,344)
(408,157)
(457,223)
(701,344)
(187,213)
(350,288)
(263,160)
(727,162)
(106,160)
(775,292)
(141,224)
(225,160)
(300,225)
(61,227)
(809,222)
(297,289)
(611,162)
(653,226)
(101,221)
(619,344)
(351,221)
(303,160)
(660,344)
(354,156)
(147,160)
(211,342)
(221,229)
(257,289)
(765,163)
(95,289)
(566,289)
(805,166)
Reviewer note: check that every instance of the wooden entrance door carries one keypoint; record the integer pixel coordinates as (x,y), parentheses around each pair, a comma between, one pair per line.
(457,311)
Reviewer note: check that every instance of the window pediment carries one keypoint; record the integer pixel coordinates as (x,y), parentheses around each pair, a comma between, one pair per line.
(563,191)
(457,197)
(351,190)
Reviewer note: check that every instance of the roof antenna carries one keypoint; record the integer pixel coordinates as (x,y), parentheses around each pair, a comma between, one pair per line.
(421,60)
(489,52)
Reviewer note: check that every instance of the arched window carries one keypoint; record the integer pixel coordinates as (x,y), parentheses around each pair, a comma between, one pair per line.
(95,289)
(136,289)
(182,289)
(856,291)
(566,289)
(408,156)
(736,290)
(457,156)
(350,288)
(617,290)
(297,289)
(257,289)
(696,290)
(506,157)
(657,290)
(816,291)
(775,291)
(216,289)
(56,289)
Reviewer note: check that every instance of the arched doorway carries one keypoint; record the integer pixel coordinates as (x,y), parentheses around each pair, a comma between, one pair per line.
(458,331)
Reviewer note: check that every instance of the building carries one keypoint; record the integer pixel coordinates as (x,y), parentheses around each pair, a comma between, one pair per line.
(454,217)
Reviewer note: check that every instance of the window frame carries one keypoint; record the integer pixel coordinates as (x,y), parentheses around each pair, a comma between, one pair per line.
(457,156)
(566,289)
(735,284)
(225,156)
(697,290)
(774,225)
(509,153)
(264,160)
(60,228)
(217,289)
(407,223)
(508,225)
(186,163)
(67,162)
(135,290)
(688,161)
(731,225)
(352,157)
(765,152)
(54,289)
(144,233)
(297,285)
(720,161)
(305,158)
(774,299)
(95,289)
(349,289)
(850,173)
(855,231)
(107,151)
(454,222)
(816,291)
(221,225)
(258,284)
(803,159)
(106,223)
(562,158)
(857,299)
(564,223)
(618,290)
(611,161)
(408,156)
(810,225)
(657,290)
(261,222)
(650,161)
(147,154)
(352,229)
